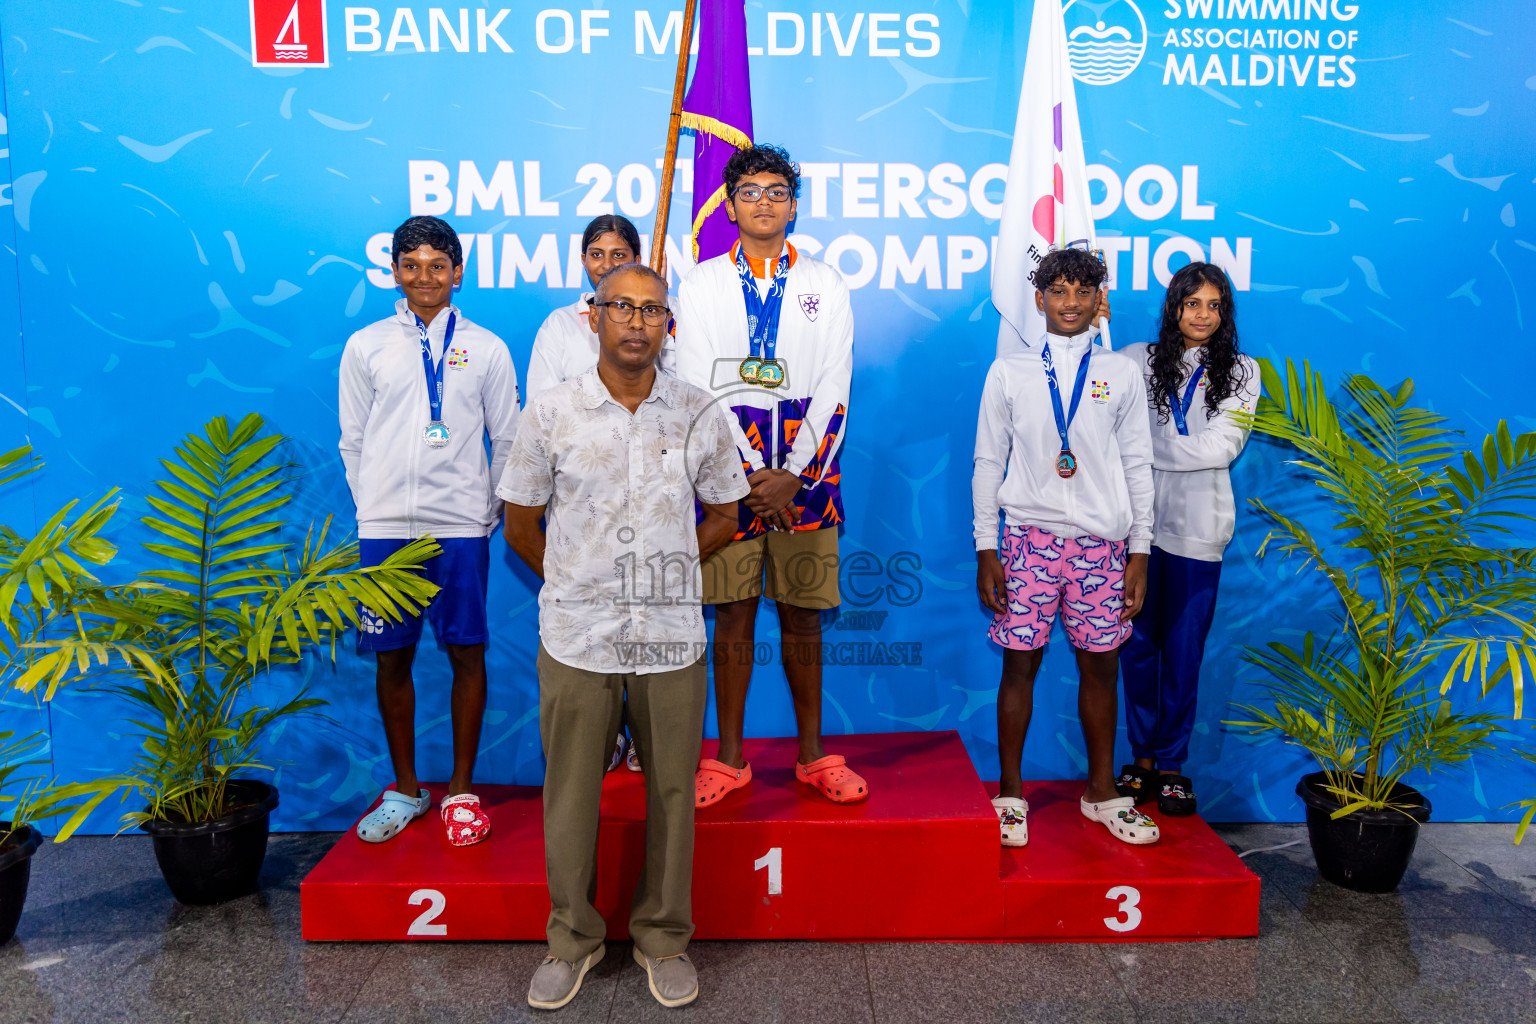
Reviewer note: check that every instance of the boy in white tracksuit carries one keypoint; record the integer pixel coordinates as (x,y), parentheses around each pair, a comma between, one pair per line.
(769,332)
(1063,448)
(419,392)
(1197,384)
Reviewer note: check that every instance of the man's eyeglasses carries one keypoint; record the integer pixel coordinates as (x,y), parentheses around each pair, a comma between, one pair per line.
(621,312)
(752,193)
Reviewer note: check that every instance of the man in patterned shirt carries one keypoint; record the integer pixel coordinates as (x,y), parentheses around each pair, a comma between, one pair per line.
(612,459)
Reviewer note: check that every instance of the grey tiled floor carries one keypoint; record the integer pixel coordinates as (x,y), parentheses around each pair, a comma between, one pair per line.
(102,940)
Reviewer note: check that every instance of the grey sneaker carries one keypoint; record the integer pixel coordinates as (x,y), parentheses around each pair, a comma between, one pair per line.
(673,980)
(557,981)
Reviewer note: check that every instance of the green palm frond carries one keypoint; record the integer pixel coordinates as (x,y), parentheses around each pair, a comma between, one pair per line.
(1430,598)
(40,796)
(17,463)
(1527,754)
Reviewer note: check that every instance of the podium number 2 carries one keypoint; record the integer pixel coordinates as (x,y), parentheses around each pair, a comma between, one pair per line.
(435,902)
(1129,916)
(773,860)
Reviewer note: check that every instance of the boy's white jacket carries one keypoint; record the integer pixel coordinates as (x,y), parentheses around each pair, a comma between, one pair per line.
(815,344)
(403,488)
(1195,514)
(1017,445)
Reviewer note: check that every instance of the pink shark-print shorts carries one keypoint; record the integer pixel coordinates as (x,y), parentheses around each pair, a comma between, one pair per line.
(1083,576)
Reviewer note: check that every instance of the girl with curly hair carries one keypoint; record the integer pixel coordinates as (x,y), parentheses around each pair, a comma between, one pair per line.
(1197,379)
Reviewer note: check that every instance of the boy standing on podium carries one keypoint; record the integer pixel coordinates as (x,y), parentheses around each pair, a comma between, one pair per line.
(419,394)
(1064,449)
(768,330)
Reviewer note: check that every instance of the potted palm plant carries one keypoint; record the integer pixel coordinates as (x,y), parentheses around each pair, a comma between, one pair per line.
(43,585)
(1432,598)
(188,642)
(27,796)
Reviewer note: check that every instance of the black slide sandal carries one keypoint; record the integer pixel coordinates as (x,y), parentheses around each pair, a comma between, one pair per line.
(1176,796)
(1137,782)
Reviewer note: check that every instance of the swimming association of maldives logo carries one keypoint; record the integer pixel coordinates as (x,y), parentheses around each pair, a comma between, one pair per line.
(288,33)
(1105,40)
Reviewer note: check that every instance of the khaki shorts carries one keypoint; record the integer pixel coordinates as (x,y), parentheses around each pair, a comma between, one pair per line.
(801,569)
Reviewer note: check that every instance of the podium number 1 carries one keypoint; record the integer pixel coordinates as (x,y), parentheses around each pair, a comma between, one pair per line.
(435,902)
(773,860)
(1129,916)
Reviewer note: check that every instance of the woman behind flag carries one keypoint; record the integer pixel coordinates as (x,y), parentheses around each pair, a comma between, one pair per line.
(1197,378)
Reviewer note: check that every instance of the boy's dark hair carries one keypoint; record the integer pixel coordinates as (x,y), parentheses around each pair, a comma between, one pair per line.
(631,268)
(1069,266)
(611,222)
(760,159)
(429,231)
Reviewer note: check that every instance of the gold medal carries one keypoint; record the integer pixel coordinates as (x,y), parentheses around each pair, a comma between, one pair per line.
(750,367)
(771,373)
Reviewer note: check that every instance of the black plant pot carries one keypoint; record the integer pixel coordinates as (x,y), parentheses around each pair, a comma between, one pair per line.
(1367,851)
(213,861)
(15,872)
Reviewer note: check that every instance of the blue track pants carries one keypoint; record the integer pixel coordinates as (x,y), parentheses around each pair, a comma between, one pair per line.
(1160,663)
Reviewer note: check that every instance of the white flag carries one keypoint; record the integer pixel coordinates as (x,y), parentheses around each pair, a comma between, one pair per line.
(1046,204)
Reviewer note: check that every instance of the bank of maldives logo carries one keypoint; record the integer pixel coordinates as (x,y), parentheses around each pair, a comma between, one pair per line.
(288,33)
(1105,40)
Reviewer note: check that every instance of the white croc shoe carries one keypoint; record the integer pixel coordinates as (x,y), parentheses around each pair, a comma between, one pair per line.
(1011,811)
(395,811)
(1123,820)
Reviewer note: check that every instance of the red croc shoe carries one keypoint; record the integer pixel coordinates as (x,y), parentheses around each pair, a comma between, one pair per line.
(466,820)
(831,775)
(714,779)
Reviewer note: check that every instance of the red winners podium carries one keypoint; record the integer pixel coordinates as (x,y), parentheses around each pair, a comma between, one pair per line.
(918,860)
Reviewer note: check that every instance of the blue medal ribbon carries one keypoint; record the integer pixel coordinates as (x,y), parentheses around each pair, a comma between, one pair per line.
(1180,409)
(762,312)
(434,371)
(1066,464)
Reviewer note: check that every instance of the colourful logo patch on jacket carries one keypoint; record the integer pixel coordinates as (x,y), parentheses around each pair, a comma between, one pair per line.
(458,358)
(1099,391)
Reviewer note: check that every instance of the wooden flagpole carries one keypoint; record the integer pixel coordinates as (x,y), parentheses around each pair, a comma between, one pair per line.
(674,126)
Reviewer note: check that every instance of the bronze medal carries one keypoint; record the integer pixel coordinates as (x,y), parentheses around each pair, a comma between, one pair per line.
(1066,464)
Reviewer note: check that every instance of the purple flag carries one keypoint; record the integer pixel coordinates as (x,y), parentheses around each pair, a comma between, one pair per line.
(718,108)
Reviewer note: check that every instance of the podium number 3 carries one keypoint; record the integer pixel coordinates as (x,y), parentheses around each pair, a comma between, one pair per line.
(1129,916)
(435,902)
(773,860)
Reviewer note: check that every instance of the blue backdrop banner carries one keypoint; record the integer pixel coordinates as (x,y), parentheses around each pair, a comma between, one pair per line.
(200,198)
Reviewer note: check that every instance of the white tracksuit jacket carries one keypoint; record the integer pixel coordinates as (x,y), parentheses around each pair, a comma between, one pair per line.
(1195,514)
(1017,446)
(565,347)
(799,426)
(403,488)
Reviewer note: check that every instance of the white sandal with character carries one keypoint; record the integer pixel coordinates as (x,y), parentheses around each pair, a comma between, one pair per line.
(1011,819)
(1123,820)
